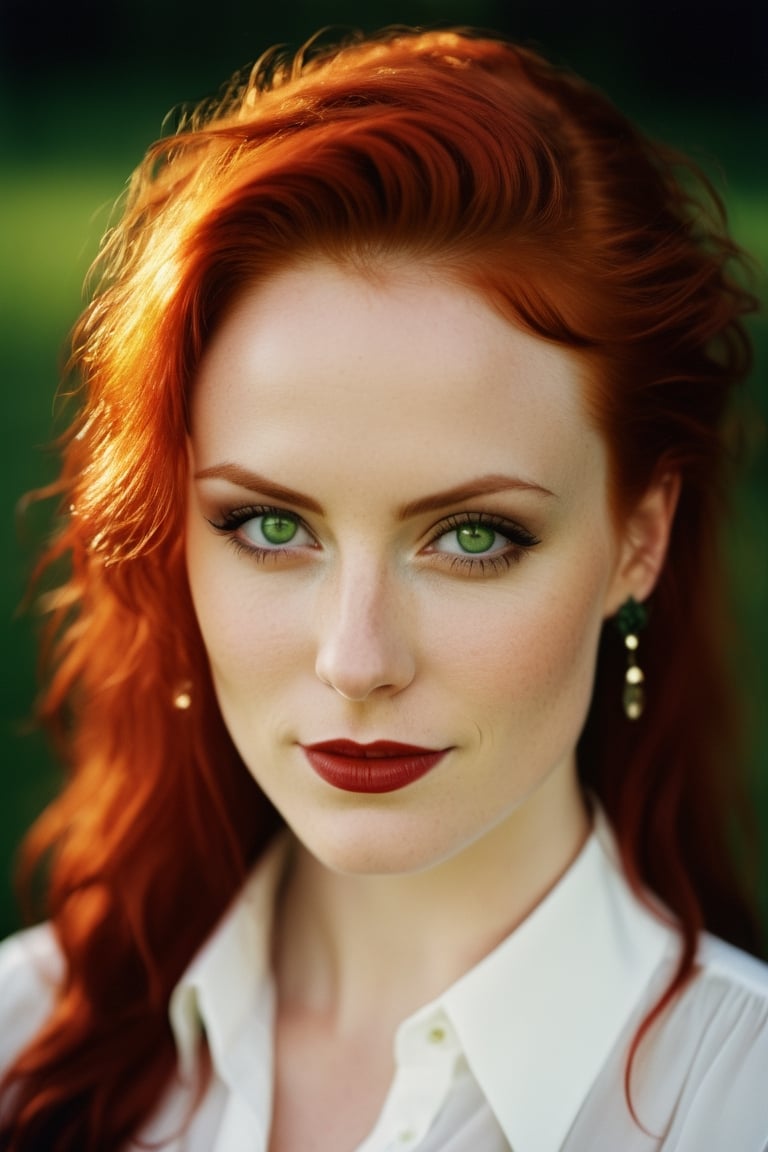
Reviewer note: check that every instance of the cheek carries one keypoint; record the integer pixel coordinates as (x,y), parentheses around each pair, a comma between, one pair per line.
(535,653)
(246,640)
(254,634)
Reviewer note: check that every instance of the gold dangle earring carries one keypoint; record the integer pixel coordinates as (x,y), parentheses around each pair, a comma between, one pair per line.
(182,697)
(631,619)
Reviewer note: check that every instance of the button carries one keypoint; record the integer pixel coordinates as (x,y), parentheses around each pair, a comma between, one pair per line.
(406,1136)
(436,1035)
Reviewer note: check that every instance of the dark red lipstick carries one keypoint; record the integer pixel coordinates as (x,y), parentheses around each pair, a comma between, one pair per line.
(383,766)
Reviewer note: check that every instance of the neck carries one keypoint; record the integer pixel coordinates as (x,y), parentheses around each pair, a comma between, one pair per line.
(349,946)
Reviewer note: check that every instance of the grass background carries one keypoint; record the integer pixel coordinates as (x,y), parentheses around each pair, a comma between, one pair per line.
(72,127)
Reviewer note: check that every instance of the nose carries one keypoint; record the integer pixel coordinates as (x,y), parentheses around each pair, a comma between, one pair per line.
(365,645)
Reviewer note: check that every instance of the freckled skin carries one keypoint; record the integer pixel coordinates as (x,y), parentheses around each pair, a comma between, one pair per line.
(367,396)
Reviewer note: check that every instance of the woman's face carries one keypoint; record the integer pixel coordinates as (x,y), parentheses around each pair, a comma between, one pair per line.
(398,531)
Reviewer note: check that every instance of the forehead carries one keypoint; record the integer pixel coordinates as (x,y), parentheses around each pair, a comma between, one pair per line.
(401,366)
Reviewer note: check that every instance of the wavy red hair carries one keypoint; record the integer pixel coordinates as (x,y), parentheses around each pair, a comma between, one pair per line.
(519,180)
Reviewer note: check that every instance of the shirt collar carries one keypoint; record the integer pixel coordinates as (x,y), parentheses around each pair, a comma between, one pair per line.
(536,1019)
(229,983)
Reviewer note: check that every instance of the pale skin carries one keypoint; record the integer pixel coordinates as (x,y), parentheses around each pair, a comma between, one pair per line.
(398,410)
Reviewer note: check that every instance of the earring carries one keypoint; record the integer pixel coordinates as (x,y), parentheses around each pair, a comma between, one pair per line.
(631,619)
(182,697)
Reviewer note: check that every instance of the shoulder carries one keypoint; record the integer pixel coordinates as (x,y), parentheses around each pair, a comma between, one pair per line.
(697,1074)
(728,997)
(31,970)
(713,1044)
(719,962)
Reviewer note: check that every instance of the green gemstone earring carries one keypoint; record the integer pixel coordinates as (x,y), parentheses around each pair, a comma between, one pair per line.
(630,620)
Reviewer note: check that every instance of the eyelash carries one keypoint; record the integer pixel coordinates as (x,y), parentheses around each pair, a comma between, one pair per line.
(231,521)
(520,539)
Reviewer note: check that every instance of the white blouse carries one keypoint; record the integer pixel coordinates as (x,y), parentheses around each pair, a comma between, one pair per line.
(527,1051)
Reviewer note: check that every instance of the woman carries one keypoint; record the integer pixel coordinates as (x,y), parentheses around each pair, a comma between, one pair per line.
(388,665)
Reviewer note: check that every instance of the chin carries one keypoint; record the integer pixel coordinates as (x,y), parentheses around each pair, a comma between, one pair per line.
(375,844)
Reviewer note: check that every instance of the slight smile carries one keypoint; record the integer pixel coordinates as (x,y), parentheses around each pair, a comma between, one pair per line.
(383,766)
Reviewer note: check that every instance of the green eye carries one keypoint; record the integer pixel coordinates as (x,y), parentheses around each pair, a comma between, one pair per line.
(475,537)
(278,529)
(266,531)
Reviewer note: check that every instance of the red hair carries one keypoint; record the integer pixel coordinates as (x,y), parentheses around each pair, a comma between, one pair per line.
(526,184)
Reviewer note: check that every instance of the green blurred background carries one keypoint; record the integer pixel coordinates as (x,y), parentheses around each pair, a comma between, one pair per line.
(84,87)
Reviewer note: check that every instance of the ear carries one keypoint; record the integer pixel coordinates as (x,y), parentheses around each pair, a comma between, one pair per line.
(643,543)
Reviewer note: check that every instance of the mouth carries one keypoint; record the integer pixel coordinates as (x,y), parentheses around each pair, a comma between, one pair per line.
(383,766)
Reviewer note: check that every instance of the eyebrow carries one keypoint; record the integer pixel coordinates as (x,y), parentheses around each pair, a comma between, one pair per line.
(482,486)
(244,478)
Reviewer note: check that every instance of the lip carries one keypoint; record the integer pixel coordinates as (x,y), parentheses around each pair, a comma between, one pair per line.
(382,766)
